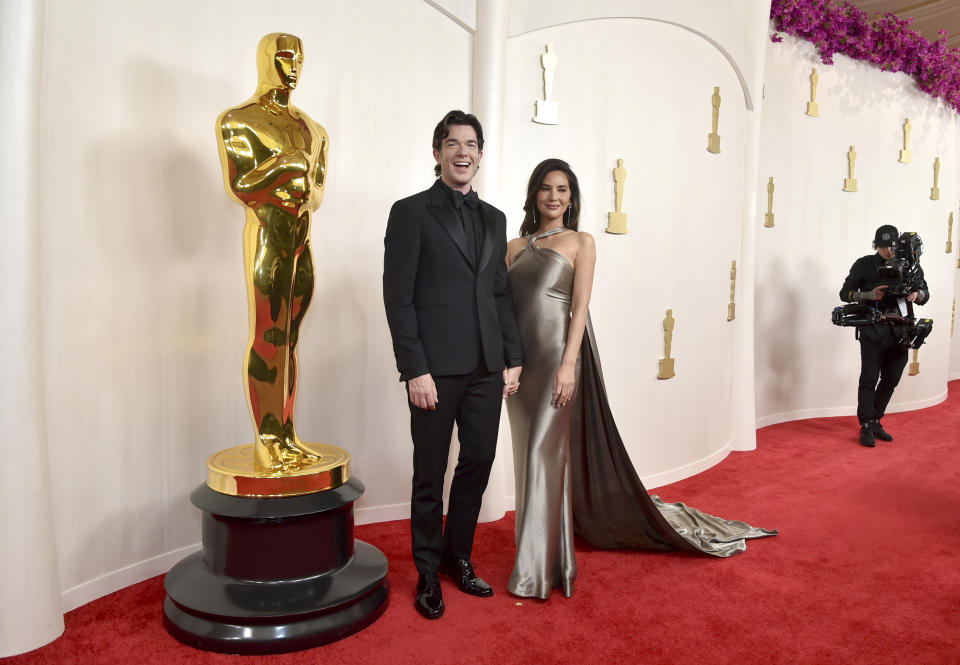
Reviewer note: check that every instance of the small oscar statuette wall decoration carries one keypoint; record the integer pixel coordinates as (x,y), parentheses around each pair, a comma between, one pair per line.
(905,153)
(713,139)
(850,184)
(915,365)
(935,190)
(732,307)
(617,221)
(950,234)
(953,315)
(666,363)
(813,109)
(548,112)
(768,218)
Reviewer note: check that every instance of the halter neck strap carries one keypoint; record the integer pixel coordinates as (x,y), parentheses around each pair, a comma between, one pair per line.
(551,232)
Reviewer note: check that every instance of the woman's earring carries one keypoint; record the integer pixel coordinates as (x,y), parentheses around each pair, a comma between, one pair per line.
(569,214)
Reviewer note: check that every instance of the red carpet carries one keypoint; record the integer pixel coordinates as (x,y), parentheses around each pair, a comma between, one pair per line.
(866,569)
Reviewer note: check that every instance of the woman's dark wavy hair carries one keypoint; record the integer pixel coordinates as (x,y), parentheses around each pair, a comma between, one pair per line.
(571,218)
(442,130)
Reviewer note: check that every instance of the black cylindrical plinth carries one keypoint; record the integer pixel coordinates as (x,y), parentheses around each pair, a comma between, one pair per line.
(275,574)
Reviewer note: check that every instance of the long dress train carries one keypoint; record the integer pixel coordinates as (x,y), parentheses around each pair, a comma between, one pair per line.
(571,468)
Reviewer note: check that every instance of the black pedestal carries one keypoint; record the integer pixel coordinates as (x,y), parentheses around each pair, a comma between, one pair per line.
(275,575)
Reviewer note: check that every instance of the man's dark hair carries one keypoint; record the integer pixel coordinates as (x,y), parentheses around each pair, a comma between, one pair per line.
(442,130)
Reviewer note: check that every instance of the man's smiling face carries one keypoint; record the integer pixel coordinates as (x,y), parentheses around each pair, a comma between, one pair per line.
(459,157)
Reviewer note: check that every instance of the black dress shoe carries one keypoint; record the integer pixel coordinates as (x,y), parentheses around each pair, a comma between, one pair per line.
(866,435)
(467,581)
(429,599)
(881,433)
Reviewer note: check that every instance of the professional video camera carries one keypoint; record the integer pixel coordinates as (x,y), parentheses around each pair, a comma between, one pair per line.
(902,275)
(902,272)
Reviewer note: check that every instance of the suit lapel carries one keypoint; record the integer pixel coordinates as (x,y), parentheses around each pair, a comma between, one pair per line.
(444,212)
(489,235)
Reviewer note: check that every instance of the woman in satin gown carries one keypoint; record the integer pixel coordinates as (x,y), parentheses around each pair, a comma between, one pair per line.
(572,471)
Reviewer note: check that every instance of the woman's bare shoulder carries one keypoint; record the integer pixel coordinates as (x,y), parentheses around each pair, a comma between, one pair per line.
(585,239)
(514,247)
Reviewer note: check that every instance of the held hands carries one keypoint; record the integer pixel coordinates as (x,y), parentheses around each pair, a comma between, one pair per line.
(423,392)
(913,296)
(563,384)
(511,381)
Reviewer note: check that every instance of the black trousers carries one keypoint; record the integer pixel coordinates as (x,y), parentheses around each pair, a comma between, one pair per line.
(473,401)
(880,358)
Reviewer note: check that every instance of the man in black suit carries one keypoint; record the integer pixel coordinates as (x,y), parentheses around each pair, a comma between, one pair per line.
(457,347)
(881,355)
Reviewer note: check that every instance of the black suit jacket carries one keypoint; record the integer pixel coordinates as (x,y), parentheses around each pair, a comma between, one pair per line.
(446,312)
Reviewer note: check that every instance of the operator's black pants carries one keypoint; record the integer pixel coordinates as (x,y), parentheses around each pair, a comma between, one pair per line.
(880,358)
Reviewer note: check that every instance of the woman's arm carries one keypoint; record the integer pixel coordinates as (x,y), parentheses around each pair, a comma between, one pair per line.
(583,265)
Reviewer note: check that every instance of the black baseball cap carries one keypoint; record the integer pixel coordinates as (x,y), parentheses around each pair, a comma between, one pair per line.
(886,236)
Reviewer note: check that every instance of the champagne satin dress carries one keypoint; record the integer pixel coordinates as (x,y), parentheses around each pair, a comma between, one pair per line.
(572,471)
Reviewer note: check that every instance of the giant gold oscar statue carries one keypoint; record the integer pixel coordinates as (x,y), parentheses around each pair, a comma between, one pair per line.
(279,569)
(274,160)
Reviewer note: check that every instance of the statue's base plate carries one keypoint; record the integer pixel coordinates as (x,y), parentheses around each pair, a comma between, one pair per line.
(713,143)
(768,220)
(275,575)
(234,472)
(617,223)
(666,369)
(548,113)
(850,184)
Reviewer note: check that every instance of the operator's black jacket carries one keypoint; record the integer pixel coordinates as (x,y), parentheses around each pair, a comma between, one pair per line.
(864,276)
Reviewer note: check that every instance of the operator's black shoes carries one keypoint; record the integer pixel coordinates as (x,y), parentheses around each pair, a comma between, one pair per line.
(866,435)
(881,433)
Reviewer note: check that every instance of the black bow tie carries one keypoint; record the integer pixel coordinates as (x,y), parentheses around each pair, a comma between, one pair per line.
(470,199)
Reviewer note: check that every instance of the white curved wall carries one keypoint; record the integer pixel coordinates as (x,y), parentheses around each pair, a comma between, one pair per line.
(805,366)
(650,105)
(30,608)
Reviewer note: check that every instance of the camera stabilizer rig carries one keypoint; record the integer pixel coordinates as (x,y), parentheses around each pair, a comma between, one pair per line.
(902,275)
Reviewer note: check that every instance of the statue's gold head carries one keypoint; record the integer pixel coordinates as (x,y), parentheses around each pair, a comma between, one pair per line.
(279,61)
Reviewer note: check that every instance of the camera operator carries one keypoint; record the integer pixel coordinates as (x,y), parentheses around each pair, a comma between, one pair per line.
(881,354)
